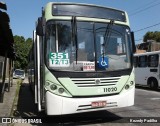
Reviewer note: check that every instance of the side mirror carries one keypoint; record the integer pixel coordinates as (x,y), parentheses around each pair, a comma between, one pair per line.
(39,27)
(133,42)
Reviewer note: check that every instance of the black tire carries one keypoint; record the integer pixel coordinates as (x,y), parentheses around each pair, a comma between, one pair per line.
(153,84)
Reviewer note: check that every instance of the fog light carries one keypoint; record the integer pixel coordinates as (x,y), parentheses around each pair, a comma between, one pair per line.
(53,87)
(127,87)
(60,90)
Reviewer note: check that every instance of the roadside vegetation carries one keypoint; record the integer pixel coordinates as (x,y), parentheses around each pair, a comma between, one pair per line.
(22,47)
(150,35)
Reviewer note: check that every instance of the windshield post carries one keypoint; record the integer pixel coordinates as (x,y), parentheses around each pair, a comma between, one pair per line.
(95,46)
(128,50)
(74,35)
(56,38)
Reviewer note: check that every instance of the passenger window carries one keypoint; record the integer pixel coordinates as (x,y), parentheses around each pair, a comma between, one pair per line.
(142,61)
(153,60)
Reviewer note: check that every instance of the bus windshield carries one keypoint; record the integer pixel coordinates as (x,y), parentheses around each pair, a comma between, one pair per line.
(98,47)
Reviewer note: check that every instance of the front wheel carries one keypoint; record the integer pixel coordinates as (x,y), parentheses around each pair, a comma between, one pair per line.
(153,84)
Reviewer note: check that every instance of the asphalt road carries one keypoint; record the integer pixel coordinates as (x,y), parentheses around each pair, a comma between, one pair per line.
(147,104)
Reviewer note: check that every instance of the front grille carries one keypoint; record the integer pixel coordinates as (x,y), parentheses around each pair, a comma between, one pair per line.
(94,82)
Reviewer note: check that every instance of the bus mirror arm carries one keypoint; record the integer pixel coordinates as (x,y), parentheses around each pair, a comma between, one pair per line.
(133,42)
(40,26)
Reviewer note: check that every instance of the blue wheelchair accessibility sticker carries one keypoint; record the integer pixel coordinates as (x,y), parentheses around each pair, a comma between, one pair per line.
(103,62)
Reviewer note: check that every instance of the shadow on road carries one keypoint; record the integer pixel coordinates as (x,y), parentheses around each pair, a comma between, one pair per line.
(147,88)
(25,105)
(26,109)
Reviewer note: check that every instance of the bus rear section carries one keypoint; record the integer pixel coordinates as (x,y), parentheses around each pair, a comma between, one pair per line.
(146,67)
(82,61)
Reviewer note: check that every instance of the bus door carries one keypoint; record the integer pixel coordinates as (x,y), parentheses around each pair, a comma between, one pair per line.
(37,71)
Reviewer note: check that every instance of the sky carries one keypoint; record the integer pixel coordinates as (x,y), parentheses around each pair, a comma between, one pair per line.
(142,14)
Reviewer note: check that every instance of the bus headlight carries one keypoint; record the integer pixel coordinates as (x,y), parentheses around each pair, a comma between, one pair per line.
(57,89)
(53,87)
(60,90)
(127,87)
(47,83)
(131,82)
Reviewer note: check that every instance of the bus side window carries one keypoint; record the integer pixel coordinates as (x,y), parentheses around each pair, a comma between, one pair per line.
(142,61)
(135,61)
(153,60)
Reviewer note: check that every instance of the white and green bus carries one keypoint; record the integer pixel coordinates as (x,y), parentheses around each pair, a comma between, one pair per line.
(82,57)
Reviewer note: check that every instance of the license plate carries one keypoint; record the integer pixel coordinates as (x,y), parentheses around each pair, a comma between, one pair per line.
(99,104)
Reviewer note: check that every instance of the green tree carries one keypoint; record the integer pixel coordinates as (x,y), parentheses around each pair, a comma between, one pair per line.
(152,36)
(22,48)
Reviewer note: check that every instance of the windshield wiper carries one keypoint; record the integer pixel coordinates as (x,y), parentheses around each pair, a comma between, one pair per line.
(74,35)
(107,36)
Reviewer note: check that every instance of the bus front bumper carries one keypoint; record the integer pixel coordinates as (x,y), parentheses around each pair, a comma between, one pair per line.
(57,105)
